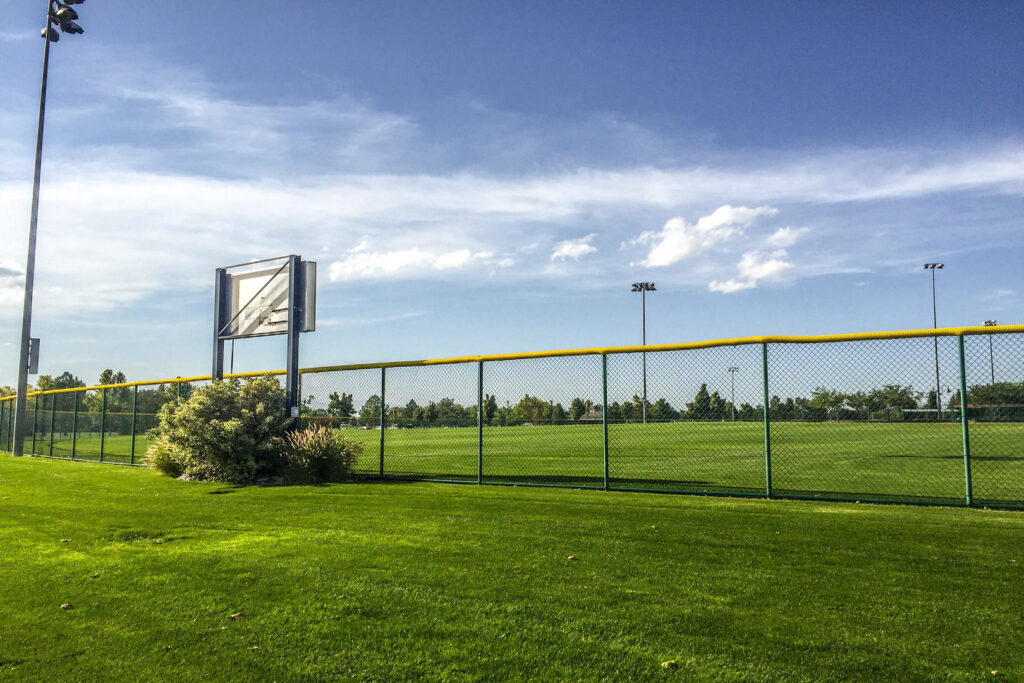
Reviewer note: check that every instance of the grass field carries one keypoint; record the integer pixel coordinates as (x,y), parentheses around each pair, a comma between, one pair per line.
(839,459)
(398,581)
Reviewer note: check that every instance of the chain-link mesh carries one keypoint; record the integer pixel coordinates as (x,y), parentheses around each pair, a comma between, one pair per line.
(63,424)
(860,419)
(531,435)
(348,400)
(995,413)
(432,422)
(702,427)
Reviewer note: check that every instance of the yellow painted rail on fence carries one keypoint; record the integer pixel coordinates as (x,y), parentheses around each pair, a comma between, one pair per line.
(650,348)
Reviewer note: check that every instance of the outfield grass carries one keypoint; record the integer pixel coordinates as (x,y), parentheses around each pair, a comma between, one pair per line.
(396,581)
(839,459)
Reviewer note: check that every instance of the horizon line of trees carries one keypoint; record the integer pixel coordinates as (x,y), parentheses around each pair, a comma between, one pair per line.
(889,403)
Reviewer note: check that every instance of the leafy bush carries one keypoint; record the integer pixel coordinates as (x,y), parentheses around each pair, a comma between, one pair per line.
(227,431)
(318,454)
(159,456)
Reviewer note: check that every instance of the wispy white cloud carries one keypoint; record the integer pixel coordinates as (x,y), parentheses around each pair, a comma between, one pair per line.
(574,249)
(361,263)
(12,36)
(362,321)
(679,240)
(230,184)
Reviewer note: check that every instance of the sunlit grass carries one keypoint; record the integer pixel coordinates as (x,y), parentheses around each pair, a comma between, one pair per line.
(394,581)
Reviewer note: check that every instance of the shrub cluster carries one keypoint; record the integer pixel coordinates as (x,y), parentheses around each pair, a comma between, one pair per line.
(318,454)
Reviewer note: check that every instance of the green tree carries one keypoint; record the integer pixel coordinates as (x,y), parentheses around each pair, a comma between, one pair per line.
(662,410)
(701,404)
(577,409)
(826,401)
(490,408)
(65,380)
(370,413)
(340,405)
(716,407)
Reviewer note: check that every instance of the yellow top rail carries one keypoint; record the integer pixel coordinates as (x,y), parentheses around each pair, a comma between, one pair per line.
(651,348)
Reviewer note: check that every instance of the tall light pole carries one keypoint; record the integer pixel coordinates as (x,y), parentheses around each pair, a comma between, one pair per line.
(643,288)
(62,15)
(935,324)
(991,356)
(732,377)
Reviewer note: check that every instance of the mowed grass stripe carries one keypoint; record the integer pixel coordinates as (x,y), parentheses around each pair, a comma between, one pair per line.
(397,581)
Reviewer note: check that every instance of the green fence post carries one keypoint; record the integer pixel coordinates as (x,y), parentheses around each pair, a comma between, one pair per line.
(53,414)
(35,427)
(103,423)
(604,412)
(969,488)
(480,422)
(767,424)
(135,403)
(74,428)
(383,381)
(3,424)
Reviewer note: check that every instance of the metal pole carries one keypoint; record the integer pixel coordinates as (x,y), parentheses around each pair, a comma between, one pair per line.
(219,313)
(480,422)
(969,489)
(3,424)
(35,421)
(604,412)
(767,423)
(732,399)
(383,381)
(53,414)
(135,404)
(295,299)
(643,333)
(103,422)
(935,339)
(991,359)
(74,428)
(30,264)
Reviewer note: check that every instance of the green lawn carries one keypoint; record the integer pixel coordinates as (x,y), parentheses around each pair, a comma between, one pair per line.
(398,581)
(841,459)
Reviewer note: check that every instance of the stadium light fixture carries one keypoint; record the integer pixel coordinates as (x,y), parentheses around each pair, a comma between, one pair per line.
(991,356)
(643,288)
(61,14)
(935,324)
(732,376)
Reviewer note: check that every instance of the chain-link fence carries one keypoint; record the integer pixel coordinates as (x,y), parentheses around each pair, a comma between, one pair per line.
(912,417)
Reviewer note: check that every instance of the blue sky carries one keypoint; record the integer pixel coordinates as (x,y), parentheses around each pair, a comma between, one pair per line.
(479,177)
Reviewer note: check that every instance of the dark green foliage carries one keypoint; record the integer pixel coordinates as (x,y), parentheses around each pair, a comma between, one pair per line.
(340,405)
(225,431)
(369,414)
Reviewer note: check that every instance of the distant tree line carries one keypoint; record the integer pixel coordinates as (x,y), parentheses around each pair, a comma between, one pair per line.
(891,402)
